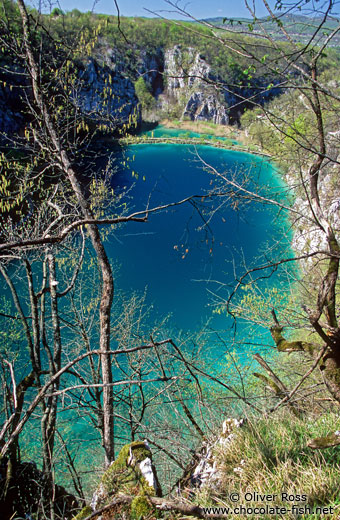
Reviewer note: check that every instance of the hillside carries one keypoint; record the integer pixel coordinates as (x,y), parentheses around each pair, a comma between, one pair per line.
(109,411)
(179,70)
(299,27)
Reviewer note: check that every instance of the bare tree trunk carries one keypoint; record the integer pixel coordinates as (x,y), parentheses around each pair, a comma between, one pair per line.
(51,404)
(60,153)
(35,319)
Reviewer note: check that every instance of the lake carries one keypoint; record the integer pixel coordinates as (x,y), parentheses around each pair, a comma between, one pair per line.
(187,257)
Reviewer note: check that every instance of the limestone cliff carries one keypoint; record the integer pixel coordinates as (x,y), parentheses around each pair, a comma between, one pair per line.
(105,95)
(180,78)
(101,92)
(11,106)
(190,87)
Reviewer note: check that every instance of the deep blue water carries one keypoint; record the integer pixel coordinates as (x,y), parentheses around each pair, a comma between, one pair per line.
(178,259)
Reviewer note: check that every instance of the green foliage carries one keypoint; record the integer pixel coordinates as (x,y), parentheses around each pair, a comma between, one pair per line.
(255,303)
(140,508)
(150,35)
(299,129)
(144,95)
(56,12)
(270,455)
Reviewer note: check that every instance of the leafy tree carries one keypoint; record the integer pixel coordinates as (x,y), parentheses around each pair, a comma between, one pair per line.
(144,95)
(56,12)
(299,131)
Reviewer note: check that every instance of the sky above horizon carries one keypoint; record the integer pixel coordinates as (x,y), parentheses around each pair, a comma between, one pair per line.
(198,8)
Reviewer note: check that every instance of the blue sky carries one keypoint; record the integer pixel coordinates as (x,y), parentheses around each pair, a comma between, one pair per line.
(199,8)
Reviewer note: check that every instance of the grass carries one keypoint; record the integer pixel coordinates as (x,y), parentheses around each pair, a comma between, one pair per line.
(270,455)
(226,144)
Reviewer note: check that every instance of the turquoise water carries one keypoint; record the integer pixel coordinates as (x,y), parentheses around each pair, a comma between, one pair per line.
(161,131)
(183,255)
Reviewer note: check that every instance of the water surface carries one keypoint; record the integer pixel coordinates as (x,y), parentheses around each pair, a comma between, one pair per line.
(182,254)
(163,131)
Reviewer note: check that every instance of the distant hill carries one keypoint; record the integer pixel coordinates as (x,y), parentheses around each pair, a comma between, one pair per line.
(299,27)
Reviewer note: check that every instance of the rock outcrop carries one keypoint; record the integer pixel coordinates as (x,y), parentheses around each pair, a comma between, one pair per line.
(180,78)
(12,88)
(309,238)
(131,474)
(205,107)
(204,468)
(184,69)
(106,96)
(151,67)
(188,85)
(129,488)
(103,94)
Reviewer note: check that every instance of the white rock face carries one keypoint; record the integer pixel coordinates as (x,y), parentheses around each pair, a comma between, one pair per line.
(174,70)
(308,237)
(202,107)
(188,80)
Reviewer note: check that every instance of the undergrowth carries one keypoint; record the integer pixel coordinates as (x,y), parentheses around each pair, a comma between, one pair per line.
(270,456)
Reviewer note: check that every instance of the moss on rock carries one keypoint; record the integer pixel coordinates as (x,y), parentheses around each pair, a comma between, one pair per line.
(132,473)
(124,474)
(84,513)
(140,508)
